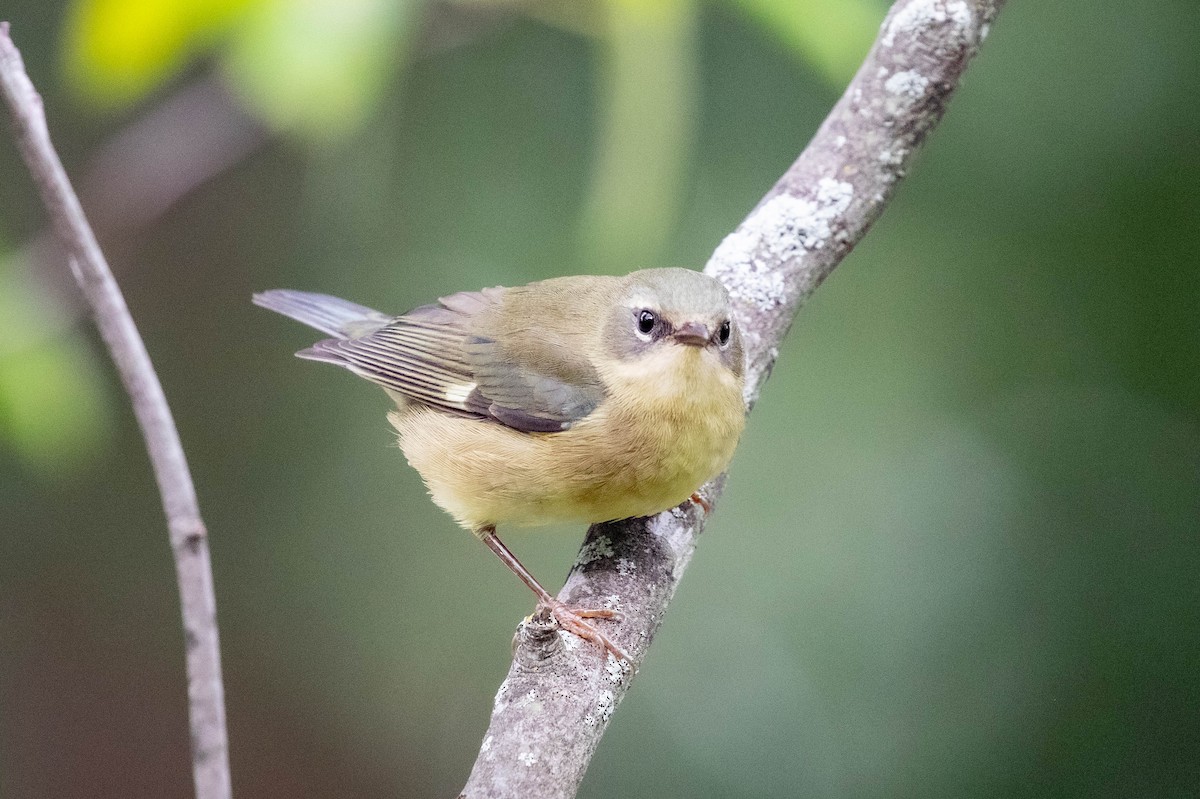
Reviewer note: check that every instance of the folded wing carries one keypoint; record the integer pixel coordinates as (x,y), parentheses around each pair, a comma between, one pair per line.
(443,356)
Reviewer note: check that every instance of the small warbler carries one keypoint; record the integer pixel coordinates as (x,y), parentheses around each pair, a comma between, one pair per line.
(577,399)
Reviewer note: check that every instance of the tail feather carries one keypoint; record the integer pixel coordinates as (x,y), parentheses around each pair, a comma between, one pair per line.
(331,315)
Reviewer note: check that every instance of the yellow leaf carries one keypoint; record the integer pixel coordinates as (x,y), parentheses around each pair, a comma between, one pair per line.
(115,51)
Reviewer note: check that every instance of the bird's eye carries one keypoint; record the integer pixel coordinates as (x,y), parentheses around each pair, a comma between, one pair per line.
(646,320)
(724,332)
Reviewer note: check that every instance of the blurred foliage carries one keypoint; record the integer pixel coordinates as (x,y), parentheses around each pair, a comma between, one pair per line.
(319,66)
(314,67)
(958,552)
(834,37)
(117,51)
(647,128)
(53,401)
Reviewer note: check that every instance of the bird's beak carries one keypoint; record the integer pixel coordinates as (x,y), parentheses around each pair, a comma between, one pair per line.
(692,333)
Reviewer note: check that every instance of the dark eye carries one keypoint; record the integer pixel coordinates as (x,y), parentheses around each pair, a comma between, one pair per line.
(646,320)
(724,332)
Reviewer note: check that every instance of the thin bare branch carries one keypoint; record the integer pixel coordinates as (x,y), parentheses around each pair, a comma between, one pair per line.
(556,701)
(188,538)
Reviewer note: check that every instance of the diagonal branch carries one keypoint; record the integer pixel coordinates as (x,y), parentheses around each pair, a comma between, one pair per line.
(556,701)
(189,540)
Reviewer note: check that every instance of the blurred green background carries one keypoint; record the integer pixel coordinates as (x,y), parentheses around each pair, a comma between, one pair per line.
(958,555)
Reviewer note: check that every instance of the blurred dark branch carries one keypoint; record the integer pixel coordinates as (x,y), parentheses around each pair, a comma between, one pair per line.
(177,146)
(192,136)
(559,694)
(188,537)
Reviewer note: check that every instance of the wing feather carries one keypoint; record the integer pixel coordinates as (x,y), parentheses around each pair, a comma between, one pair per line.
(443,356)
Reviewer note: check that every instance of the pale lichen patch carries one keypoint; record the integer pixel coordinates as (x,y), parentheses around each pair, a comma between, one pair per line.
(531,702)
(782,229)
(605,705)
(597,548)
(501,702)
(909,83)
(615,670)
(960,12)
(834,196)
(526,758)
(790,223)
(755,376)
(749,281)
(925,13)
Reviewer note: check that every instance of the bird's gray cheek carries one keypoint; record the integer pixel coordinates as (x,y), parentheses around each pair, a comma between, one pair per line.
(629,347)
(735,359)
(618,336)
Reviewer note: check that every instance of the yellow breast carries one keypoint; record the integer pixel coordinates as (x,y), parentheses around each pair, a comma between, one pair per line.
(665,428)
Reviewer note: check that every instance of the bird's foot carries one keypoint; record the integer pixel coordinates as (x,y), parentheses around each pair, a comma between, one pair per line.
(702,502)
(572,620)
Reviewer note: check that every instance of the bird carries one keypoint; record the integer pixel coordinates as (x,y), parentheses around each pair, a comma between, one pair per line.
(577,399)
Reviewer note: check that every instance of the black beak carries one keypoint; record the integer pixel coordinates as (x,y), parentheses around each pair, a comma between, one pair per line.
(692,333)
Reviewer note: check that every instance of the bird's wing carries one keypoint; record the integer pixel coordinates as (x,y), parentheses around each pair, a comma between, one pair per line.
(528,393)
(442,356)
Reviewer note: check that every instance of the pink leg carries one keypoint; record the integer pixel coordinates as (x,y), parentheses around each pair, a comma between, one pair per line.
(569,619)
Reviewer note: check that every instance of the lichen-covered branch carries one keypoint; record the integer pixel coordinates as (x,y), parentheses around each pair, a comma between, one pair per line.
(555,703)
(188,538)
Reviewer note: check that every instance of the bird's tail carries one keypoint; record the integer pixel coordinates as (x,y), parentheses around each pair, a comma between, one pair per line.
(331,315)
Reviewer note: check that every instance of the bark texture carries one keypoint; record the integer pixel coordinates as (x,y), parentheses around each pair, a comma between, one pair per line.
(554,705)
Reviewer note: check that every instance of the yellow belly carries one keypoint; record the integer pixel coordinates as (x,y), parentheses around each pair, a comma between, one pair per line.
(645,449)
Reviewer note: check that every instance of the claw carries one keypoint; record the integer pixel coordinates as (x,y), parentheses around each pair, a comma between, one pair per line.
(598,613)
(573,622)
(702,502)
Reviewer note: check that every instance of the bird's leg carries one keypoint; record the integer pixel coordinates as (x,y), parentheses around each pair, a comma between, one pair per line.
(569,619)
(702,502)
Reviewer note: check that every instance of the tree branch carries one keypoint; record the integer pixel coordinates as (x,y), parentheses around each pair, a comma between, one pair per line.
(554,705)
(188,538)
